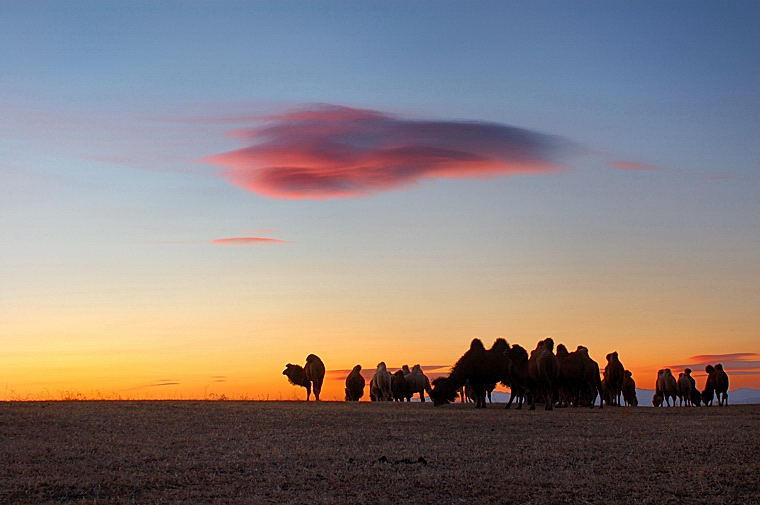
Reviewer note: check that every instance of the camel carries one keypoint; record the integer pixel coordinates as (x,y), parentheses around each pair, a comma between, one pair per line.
(684,389)
(518,377)
(310,376)
(355,385)
(380,385)
(629,390)
(417,382)
(721,385)
(543,370)
(480,366)
(709,392)
(399,387)
(614,373)
(578,380)
(666,386)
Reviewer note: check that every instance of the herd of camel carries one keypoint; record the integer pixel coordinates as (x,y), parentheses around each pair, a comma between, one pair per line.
(555,378)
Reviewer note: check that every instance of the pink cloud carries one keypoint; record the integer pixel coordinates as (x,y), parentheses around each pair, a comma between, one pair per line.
(328,151)
(708,358)
(247,241)
(632,165)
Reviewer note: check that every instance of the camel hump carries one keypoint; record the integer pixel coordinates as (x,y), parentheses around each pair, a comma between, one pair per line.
(500,344)
(477,345)
(312,357)
(549,343)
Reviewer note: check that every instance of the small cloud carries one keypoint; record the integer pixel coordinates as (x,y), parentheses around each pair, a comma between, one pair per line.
(329,151)
(632,165)
(219,378)
(247,241)
(164,383)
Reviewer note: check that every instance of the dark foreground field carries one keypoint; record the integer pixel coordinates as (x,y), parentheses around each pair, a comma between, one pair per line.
(334,453)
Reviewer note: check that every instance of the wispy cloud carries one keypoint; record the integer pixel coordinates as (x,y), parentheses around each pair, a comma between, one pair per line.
(632,165)
(328,151)
(247,241)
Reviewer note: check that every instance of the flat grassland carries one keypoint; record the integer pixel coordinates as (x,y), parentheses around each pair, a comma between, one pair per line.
(228,452)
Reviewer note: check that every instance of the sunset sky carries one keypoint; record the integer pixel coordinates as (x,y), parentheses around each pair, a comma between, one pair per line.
(194,194)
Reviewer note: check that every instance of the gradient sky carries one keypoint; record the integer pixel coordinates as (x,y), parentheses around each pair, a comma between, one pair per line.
(588,171)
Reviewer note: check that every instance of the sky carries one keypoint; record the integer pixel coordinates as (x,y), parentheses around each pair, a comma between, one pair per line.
(193,194)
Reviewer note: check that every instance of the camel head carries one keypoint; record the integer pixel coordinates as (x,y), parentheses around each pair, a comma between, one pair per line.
(443,392)
(295,374)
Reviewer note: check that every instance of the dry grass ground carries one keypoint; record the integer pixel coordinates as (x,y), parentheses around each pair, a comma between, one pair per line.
(335,453)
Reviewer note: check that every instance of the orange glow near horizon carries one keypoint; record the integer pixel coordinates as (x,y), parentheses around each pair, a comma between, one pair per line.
(209,374)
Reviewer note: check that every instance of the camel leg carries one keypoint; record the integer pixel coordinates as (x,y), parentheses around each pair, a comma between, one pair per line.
(511,397)
(308,390)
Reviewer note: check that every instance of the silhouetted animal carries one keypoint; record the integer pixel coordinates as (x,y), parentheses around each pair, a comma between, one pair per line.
(315,372)
(478,365)
(684,388)
(543,371)
(666,386)
(355,385)
(417,383)
(578,380)
(518,377)
(721,385)
(312,375)
(709,392)
(629,390)
(380,385)
(614,373)
(399,388)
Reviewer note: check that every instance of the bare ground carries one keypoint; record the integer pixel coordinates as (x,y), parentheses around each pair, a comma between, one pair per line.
(336,453)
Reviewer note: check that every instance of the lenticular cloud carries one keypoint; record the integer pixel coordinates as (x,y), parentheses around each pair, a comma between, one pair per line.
(329,151)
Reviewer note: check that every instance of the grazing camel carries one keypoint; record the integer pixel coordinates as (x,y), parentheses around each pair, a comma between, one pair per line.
(480,367)
(310,376)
